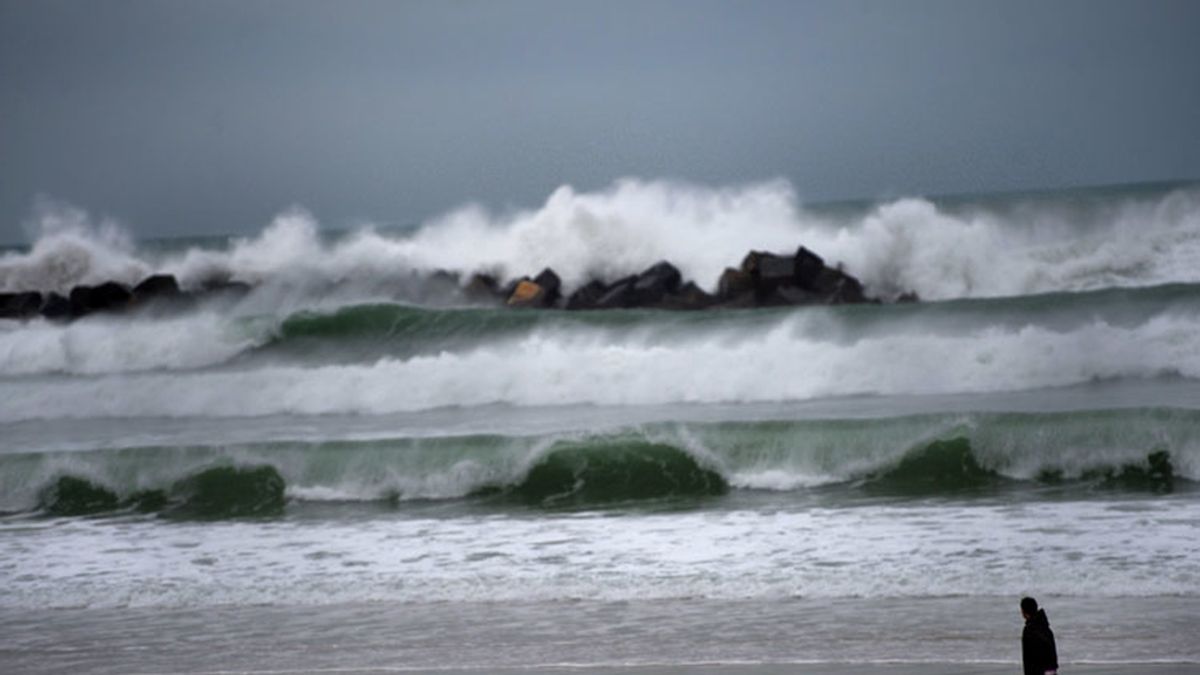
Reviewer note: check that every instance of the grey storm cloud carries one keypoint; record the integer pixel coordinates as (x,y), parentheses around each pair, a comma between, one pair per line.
(208,117)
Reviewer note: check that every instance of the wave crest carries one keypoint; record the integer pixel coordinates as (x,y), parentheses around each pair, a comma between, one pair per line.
(982,248)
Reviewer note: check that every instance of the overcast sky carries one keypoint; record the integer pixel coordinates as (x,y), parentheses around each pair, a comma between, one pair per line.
(211,116)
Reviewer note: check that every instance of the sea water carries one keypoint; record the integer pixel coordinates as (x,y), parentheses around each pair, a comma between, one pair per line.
(338,472)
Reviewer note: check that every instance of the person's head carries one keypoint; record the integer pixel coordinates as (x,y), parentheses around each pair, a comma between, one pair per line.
(1029,607)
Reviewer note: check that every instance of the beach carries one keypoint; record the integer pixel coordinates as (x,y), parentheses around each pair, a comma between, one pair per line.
(689,636)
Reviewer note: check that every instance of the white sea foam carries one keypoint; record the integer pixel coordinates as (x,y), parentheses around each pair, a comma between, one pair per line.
(905,244)
(1082,548)
(780,361)
(114,344)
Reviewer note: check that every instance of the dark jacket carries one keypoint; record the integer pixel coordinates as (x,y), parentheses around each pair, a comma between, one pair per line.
(1037,645)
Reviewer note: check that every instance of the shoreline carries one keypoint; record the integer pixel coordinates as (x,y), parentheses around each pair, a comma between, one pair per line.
(806,668)
(901,636)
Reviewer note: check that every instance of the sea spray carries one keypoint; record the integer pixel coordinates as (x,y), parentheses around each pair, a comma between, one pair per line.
(940,250)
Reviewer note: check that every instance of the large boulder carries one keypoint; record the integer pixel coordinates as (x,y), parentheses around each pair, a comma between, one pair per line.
(585,296)
(618,295)
(801,279)
(655,282)
(769,271)
(20,305)
(541,291)
(835,287)
(734,283)
(482,287)
(56,307)
(158,286)
(688,297)
(807,266)
(527,294)
(550,283)
(108,296)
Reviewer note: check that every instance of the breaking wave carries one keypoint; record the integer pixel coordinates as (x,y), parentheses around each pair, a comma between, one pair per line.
(982,248)
(751,357)
(1140,332)
(1151,450)
(218,492)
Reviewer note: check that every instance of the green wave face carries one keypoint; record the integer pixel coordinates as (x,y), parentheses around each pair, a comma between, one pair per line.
(71,496)
(229,492)
(370,331)
(216,493)
(940,467)
(399,321)
(367,332)
(603,471)
(1081,453)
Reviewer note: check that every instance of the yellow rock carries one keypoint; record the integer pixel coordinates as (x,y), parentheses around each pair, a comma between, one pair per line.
(526,294)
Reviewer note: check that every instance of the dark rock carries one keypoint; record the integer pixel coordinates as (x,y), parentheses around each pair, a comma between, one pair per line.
(750,262)
(743,300)
(585,296)
(807,265)
(20,305)
(769,271)
(527,294)
(784,296)
(734,283)
(909,297)
(56,307)
(549,282)
(157,286)
(763,279)
(482,287)
(107,296)
(687,297)
(802,279)
(618,295)
(835,287)
(655,282)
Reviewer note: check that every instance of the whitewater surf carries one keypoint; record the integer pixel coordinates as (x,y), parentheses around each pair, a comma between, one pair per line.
(330,452)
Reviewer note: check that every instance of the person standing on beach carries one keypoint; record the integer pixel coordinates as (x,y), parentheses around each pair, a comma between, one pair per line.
(1038,653)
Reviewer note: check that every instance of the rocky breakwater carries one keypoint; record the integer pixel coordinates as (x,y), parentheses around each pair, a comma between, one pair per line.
(762,280)
(110,296)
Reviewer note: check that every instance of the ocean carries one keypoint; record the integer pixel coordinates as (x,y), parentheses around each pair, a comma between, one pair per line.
(344,471)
